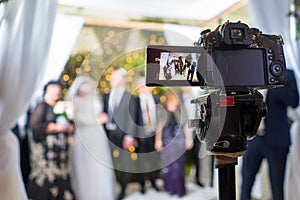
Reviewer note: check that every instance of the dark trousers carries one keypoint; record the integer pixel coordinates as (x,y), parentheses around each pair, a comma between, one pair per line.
(195,154)
(276,157)
(190,75)
(147,161)
(122,162)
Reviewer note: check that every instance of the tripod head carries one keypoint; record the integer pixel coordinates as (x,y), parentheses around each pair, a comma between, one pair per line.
(225,120)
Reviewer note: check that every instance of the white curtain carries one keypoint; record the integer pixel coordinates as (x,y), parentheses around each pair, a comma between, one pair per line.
(65,33)
(271,17)
(25,35)
(172,9)
(163,59)
(181,35)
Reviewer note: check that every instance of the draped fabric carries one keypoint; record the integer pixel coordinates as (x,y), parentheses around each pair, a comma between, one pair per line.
(66,30)
(164,59)
(25,35)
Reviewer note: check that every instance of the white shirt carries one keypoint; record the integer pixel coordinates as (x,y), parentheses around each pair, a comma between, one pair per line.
(115,97)
(147,99)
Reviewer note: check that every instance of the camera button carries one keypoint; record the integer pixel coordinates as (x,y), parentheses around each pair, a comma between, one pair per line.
(270,57)
(270,51)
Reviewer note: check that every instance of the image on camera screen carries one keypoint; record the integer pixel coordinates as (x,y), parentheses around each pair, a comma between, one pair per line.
(172,66)
(183,66)
(177,66)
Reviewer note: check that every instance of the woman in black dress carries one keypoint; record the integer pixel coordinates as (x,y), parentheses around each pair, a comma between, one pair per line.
(49,177)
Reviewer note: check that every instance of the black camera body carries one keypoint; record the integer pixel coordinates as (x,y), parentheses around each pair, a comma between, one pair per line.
(233,56)
(239,56)
(234,61)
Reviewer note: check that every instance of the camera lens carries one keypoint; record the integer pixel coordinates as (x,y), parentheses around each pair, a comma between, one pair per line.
(237,33)
(277,69)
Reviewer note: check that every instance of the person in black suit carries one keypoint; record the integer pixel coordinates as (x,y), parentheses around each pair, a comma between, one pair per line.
(273,143)
(191,71)
(121,127)
(146,136)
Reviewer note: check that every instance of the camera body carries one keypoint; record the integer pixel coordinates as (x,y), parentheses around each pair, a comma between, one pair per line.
(234,61)
(239,56)
(233,56)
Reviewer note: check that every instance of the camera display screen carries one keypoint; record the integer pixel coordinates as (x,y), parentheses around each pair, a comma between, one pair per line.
(172,65)
(242,67)
(182,66)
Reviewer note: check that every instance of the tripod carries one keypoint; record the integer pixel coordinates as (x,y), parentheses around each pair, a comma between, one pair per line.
(226,121)
(226,177)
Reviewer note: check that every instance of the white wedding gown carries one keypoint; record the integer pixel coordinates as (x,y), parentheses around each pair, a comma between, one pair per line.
(92,173)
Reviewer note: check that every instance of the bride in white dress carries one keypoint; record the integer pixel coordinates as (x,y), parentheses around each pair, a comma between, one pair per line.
(92,173)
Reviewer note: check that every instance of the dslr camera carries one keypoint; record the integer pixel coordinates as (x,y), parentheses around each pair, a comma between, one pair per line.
(239,56)
(231,63)
(233,56)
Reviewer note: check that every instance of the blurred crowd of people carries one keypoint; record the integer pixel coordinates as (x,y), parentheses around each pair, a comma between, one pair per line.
(122,137)
(119,137)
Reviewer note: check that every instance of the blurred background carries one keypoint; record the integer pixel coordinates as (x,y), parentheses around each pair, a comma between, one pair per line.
(85,26)
(92,37)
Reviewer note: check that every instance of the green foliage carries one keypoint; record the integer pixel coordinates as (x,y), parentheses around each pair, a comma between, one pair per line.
(71,70)
(99,63)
